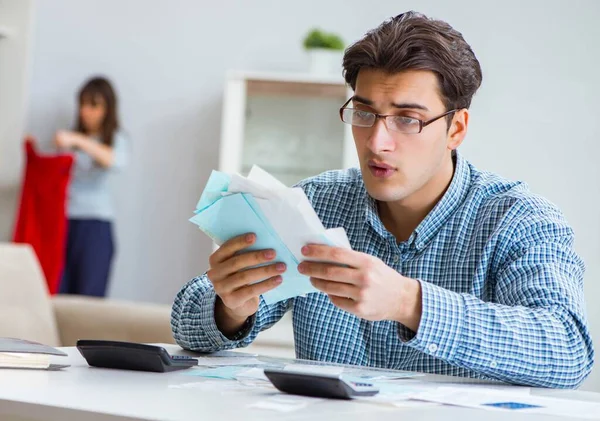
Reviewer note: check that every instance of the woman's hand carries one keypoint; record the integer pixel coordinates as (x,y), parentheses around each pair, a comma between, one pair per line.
(101,153)
(65,139)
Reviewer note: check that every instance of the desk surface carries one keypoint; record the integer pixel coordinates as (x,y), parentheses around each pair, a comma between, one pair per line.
(84,393)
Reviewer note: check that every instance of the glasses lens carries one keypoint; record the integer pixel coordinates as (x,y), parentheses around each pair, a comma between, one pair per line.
(403,124)
(358,118)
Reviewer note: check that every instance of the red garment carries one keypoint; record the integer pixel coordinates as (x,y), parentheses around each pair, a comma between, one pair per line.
(41,219)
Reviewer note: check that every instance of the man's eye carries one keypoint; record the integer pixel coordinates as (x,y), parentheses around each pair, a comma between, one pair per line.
(406,121)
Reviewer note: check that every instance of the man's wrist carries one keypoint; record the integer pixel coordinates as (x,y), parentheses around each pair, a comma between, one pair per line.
(411,306)
(229,324)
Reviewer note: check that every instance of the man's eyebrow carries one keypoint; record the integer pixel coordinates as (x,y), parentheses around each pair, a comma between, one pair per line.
(410,105)
(362,100)
(403,105)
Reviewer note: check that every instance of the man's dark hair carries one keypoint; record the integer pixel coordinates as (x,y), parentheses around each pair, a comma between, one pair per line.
(412,41)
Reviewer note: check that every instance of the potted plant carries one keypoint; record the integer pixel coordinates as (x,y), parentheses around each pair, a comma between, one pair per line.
(324,51)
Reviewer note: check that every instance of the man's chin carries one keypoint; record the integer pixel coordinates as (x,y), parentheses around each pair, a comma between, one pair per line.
(387,193)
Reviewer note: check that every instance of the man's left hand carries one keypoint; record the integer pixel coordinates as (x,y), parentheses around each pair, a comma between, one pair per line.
(363,285)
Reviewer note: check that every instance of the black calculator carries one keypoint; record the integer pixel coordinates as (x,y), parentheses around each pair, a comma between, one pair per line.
(132,356)
(318,385)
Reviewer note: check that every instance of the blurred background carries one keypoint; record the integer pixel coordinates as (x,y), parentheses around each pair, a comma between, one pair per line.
(198,81)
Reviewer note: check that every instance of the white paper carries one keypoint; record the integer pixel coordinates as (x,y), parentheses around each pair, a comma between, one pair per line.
(414,404)
(252,373)
(228,361)
(285,403)
(260,176)
(338,237)
(211,386)
(399,393)
(231,354)
(239,184)
(289,212)
(316,369)
(494,400)
(24,360)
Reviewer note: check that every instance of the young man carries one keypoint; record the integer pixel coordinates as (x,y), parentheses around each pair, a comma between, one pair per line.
(453,270)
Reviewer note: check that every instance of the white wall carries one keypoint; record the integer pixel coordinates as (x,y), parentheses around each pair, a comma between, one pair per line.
(15,58)
(535,118)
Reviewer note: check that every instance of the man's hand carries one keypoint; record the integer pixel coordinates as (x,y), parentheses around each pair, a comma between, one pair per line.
(237,284)
(363,285)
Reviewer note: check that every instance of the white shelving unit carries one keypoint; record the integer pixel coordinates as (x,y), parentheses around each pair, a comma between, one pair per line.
(287,123)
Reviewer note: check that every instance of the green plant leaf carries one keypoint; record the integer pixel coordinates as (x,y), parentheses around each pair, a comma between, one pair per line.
(319,39)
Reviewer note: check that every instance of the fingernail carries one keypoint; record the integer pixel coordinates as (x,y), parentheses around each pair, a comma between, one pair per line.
(280,267)
(301,267)
(269,254)
(249,238)
(305,250)
(278,280)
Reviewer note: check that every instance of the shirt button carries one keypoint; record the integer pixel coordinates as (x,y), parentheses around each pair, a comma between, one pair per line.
(493,364)
(396,259)
(432,348)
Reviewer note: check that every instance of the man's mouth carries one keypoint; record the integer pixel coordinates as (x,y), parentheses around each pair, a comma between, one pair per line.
(381,169)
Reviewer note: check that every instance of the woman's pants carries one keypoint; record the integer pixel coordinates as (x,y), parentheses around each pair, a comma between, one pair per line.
(88,257)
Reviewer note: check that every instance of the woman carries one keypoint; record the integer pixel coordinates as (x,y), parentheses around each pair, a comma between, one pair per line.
(99,147)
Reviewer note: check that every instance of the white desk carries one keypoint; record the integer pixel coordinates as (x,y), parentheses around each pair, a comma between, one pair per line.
(91,394)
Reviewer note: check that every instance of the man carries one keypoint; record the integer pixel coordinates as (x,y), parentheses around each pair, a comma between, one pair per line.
(452,270)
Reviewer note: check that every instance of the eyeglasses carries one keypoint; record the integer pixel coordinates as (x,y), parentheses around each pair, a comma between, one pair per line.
(395,123)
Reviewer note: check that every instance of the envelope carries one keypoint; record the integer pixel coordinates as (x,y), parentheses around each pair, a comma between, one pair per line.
(281,217)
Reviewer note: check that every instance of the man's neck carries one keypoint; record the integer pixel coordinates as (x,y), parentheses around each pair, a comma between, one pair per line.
(402,218)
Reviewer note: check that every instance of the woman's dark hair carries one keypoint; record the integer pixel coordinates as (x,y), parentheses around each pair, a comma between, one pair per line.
(412,41)
(100,87)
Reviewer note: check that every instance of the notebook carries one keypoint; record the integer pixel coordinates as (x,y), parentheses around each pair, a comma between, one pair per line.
(19,353)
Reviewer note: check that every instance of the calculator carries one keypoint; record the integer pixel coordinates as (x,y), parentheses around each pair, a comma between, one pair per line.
(318,385)
(132,356)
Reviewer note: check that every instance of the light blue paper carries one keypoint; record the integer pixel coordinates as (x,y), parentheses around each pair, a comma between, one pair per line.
(225,217)
(218,183)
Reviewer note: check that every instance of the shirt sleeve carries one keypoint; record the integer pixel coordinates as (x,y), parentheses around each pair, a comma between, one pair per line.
(120,150)
(534,330)
(193,319)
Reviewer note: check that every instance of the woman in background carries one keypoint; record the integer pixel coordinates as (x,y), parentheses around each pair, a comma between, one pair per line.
(99,147)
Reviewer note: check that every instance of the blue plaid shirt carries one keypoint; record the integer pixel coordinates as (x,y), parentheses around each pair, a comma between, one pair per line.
(502,288)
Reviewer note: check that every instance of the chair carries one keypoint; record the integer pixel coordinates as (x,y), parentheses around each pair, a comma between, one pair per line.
(27,311)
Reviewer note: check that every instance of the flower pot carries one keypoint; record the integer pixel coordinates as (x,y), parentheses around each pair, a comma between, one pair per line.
(324,61)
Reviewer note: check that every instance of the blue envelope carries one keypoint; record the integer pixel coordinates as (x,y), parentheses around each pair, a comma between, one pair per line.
(224,217)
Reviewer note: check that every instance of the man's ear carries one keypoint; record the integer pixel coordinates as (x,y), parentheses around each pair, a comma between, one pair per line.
(458,129)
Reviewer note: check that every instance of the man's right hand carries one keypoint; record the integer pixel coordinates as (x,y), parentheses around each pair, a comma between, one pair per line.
(236,285)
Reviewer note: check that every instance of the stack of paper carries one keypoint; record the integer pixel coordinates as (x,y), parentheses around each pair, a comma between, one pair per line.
(20,360)
(507,401)
(18,353)
(281,217)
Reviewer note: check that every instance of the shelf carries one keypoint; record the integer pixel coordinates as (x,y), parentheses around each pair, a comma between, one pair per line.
(285,122)
(288,77)
(294,84)
(275,88)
